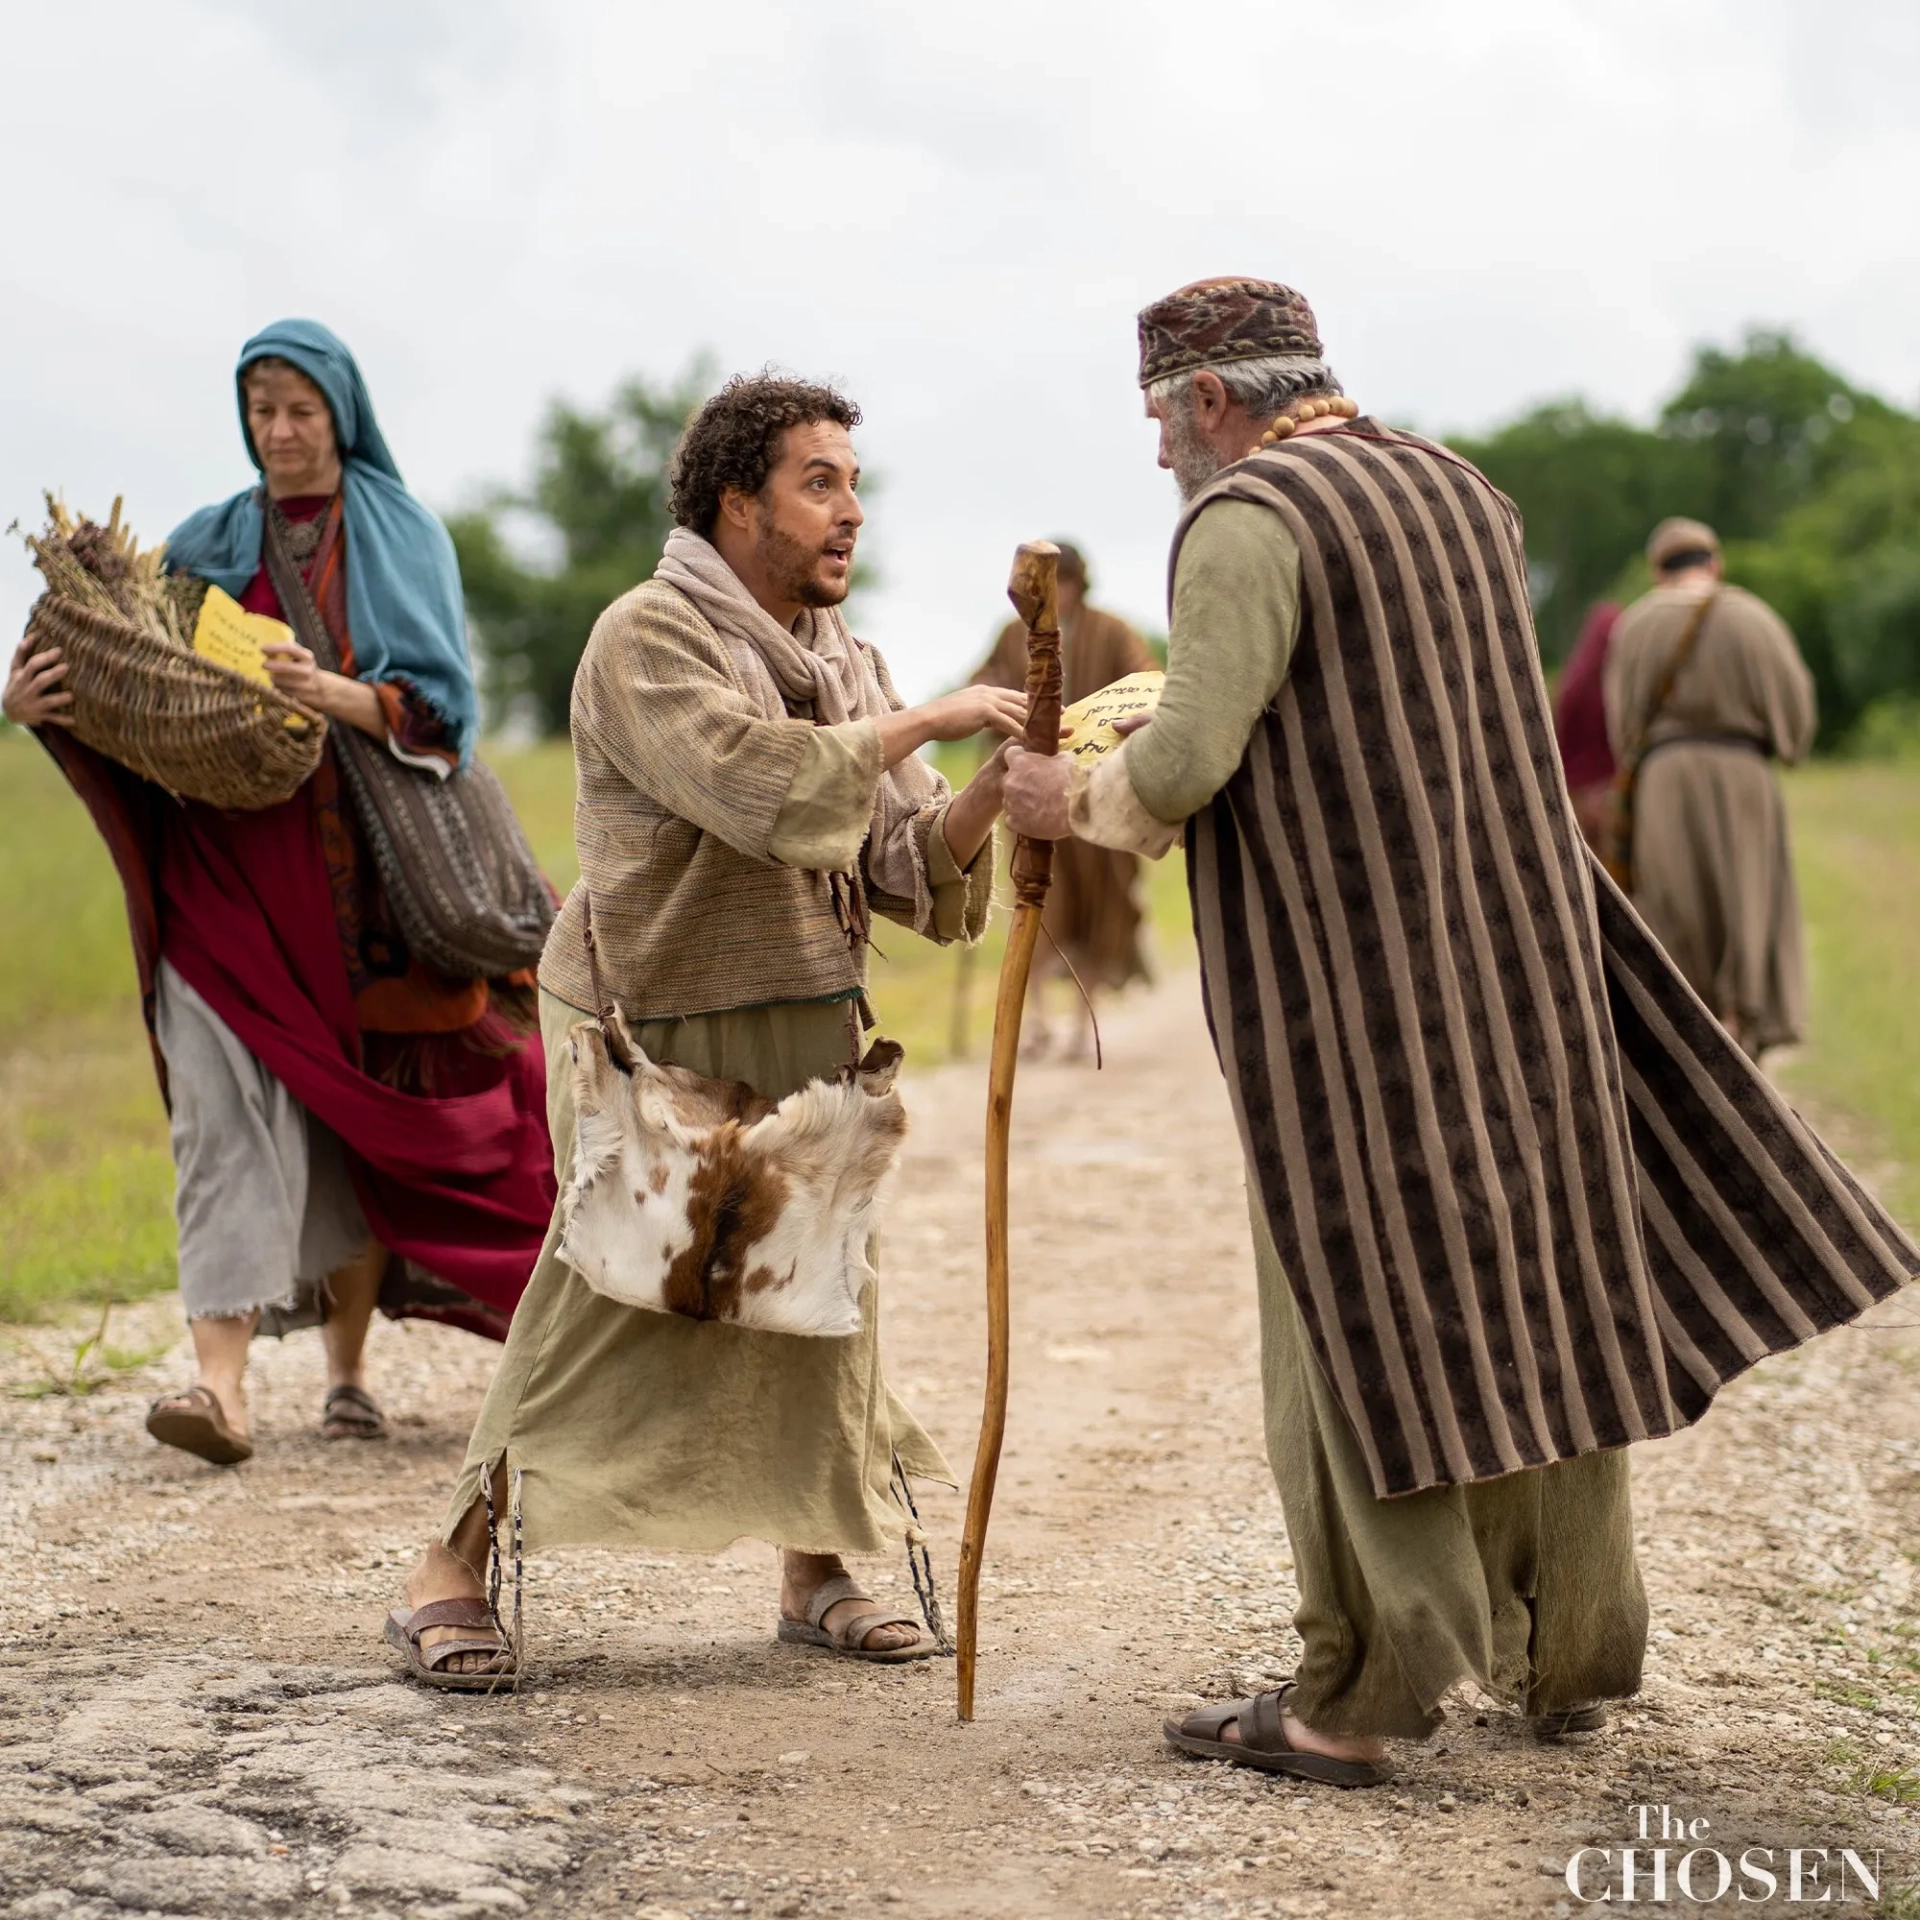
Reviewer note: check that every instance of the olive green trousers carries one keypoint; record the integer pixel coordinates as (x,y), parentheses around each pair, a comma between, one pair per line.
(1527,1586)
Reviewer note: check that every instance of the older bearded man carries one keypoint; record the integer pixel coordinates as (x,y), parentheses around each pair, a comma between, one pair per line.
(748,788)
(1517,1199)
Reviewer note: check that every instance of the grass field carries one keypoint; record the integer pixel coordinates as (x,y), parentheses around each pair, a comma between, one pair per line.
(86,1179)
(1857,853)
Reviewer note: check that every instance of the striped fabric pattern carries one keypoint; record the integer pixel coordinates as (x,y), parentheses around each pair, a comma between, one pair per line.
(1532,1200)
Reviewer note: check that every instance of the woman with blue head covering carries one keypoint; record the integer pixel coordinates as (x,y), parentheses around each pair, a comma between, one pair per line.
(349,1125)
(309,426)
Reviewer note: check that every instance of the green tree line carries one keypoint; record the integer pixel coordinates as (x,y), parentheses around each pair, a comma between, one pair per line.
(1812,483)
(540,562)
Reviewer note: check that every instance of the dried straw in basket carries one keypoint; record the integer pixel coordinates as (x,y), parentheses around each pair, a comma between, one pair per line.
(141,695)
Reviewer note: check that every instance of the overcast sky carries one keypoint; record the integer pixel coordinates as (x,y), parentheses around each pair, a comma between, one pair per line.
(955,210)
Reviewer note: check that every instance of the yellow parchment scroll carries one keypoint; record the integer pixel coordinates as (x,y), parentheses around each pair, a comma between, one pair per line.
(1088,730)
(230,636)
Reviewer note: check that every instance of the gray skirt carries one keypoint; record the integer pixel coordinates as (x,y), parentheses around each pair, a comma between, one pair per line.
(265,1205)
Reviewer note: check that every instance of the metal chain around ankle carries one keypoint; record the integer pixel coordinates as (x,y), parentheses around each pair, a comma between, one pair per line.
(920,1562)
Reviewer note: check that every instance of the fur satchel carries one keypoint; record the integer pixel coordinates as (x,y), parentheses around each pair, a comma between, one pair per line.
(703,1198)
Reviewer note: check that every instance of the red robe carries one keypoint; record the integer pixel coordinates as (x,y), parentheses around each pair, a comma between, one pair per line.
(1580,721)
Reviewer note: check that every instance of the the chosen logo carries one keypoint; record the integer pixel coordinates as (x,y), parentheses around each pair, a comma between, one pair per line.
(1671,1857)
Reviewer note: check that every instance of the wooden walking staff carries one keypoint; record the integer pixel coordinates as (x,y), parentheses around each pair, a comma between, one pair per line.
(1031,589)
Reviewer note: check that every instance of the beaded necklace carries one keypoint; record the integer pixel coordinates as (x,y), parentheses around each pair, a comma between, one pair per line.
(1302,411)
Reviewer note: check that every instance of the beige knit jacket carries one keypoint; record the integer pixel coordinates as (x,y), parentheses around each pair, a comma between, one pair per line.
(679,786)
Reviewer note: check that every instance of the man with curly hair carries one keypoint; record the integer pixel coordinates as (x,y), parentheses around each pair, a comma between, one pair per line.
(749,789)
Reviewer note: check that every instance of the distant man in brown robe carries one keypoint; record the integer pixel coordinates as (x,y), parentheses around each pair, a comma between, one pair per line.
(1711,872)
(1093,910)
(1517,1199)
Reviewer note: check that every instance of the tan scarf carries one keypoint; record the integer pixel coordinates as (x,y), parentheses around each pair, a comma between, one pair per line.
(819,665)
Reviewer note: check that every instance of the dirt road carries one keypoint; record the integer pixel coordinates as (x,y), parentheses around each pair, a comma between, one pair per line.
(196,1716)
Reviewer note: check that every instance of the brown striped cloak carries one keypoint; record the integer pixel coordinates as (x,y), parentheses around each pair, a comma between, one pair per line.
(1532,1200)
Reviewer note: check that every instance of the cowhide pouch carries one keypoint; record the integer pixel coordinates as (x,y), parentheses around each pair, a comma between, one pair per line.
(701,1198)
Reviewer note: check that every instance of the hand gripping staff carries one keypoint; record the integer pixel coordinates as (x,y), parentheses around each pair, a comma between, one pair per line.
(1031,589)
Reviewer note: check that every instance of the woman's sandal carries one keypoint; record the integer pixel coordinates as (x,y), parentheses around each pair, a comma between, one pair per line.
(848,1639)
(348,1413)
(1263,1742)
(193,1421)
(403,1633)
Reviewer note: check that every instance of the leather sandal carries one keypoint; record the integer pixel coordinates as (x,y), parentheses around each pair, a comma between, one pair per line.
(403,1633)
(850,1638)
(193,1421)
(1589,1718)
(1263,1742)
(349,1413)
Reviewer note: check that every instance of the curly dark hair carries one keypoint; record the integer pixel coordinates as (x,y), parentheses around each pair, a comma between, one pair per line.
(732,440)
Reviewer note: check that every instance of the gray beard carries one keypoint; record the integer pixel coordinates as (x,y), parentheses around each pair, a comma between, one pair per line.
(1192,461)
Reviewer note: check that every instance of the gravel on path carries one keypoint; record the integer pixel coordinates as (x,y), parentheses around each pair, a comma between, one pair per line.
(197,1716)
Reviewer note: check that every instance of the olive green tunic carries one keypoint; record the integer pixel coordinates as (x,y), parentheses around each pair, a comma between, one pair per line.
(645,1429)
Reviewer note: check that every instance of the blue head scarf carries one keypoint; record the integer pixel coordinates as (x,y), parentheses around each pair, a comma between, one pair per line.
(403,582)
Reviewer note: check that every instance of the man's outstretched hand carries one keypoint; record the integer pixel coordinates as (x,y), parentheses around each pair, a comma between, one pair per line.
(954,716)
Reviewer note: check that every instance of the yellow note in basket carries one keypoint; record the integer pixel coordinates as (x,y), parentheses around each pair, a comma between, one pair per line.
(1089,723)
(230,636)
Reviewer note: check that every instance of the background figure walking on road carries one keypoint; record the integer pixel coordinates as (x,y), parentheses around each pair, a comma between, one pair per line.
(1712,874)
(1093,909)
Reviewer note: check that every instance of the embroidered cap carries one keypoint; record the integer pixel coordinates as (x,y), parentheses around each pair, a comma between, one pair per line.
(1212,322)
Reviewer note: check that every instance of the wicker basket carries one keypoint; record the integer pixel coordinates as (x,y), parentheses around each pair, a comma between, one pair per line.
(143,698)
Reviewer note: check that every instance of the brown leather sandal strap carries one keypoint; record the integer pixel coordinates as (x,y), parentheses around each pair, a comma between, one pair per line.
(1261,1730)
(201,1400)
(1210,1722)
(828,1595)
(189,1397)
(435,1657)
(853,1636)
(448,1613)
